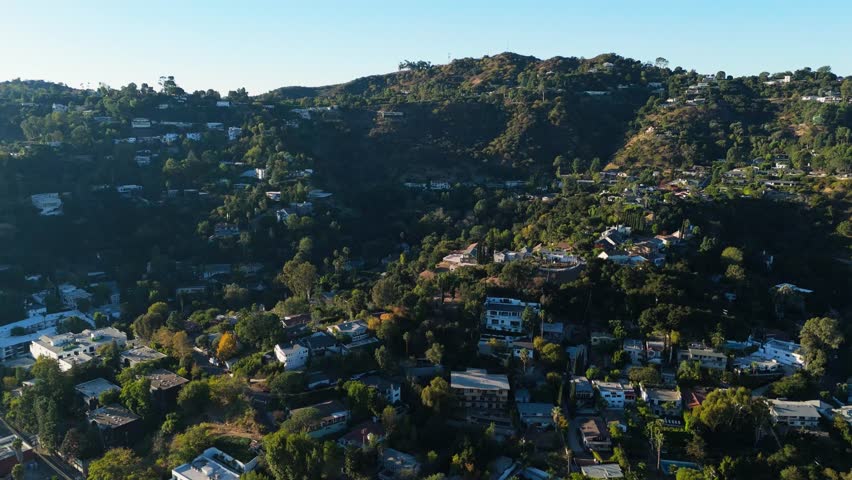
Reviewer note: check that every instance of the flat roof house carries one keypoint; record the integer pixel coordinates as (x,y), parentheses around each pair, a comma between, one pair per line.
(165,386)
(484,396)
(606,470)
(615,394)
(73,348)
(332,418)
(91,391)
(397,465)
(595,435)
(116,425)
(535,414)
(357,330)
(707,358)
(139,355)
(795,414)
(504,314)
(786,353)
(662,401)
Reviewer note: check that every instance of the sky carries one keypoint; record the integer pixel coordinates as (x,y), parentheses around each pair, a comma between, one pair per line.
(265,44)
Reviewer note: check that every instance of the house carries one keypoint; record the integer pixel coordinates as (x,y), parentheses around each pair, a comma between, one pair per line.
(595,435)
(654,350)
(140,123)
(116,425)
(73,348)
(396,465)
(225,230)
(795,414)
(70,295)
(606,470)
(215,126)
(787,353)
(706,357)
(165,386)
(553,332)
(390,390)
(295,324)
(756,365)
(223,103)
(582,388)
(462,258)
(694,397)
(613,237)
(356,331)
(504,314)
(16,337)
(214,464)
(614,394)
(90,392)
(234,133)
(518,346)
(635,349)
(9,456)
(363,434)
(332,418)
(292,357)
(282,214)
(194,136)
(535,414)
(845,413)
(484,396)
(319,344)
(48,204)
(662,401)
(139,355)
(602,338)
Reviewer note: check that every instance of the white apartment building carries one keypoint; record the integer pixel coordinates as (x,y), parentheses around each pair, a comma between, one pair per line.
(786,353)
(73,348)
(504,314)
(615,394)
(15,338)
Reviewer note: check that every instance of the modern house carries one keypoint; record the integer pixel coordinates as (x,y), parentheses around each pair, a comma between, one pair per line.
(75,348)
(786,353)
(356,331)
(662,401)
(116,425)
(332,418)
(90,392)
(504,314)
(138,355)
(391,391)
(615,394)
(16,337)
(396,465)
(483,396)
(706,357)
(214,464)
(535,414)
(635,349)
(582,388)
(165,386)
(795,414)
(595,435)
(292,357)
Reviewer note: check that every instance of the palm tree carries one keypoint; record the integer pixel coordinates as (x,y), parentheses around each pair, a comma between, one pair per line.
(656,437)
(17,445)
(525,358)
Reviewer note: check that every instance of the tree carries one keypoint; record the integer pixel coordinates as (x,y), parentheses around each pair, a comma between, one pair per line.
(260,329)
(656,437)
(194,396)
(18,472)
(234,295)
(136,396)
(552,354)
(299,277)
(525,358)
(227,347)
(819,337)
(301,420)
(436,395)
(119,464)
(298,456)
(732,256)
(661,63)
(435,353)
(385,359)
(71,444)
(287,383)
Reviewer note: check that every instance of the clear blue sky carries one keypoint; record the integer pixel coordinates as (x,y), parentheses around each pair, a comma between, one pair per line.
(265,44)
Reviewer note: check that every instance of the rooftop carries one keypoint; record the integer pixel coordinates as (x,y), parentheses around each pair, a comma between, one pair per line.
(141,354)
(112,416)
(662,394)
(479,379)
(203,468)
(535,409)
(788,408)
(607,470)
(163,379)
(94,388)
(790,347)
(593,427)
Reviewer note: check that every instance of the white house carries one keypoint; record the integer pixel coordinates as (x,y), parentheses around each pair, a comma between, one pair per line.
(786,353)
(504,314)
(293,357)
(635,349)
(795,414)
(708,358)
(73,348)
(214,464)
(48,204)
(234,133)
(614,394)
(390,390)
(356,330)
(37,324)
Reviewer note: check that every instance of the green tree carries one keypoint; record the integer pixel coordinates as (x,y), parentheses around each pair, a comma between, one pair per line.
(136,396)
(435,353)
(119,464)
(436,395)
(194,397)
(299,277)
(299,457)
(259,329)
(819,337)
(287,383)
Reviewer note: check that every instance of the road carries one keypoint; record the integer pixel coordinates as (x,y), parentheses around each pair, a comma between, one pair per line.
(52,461)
